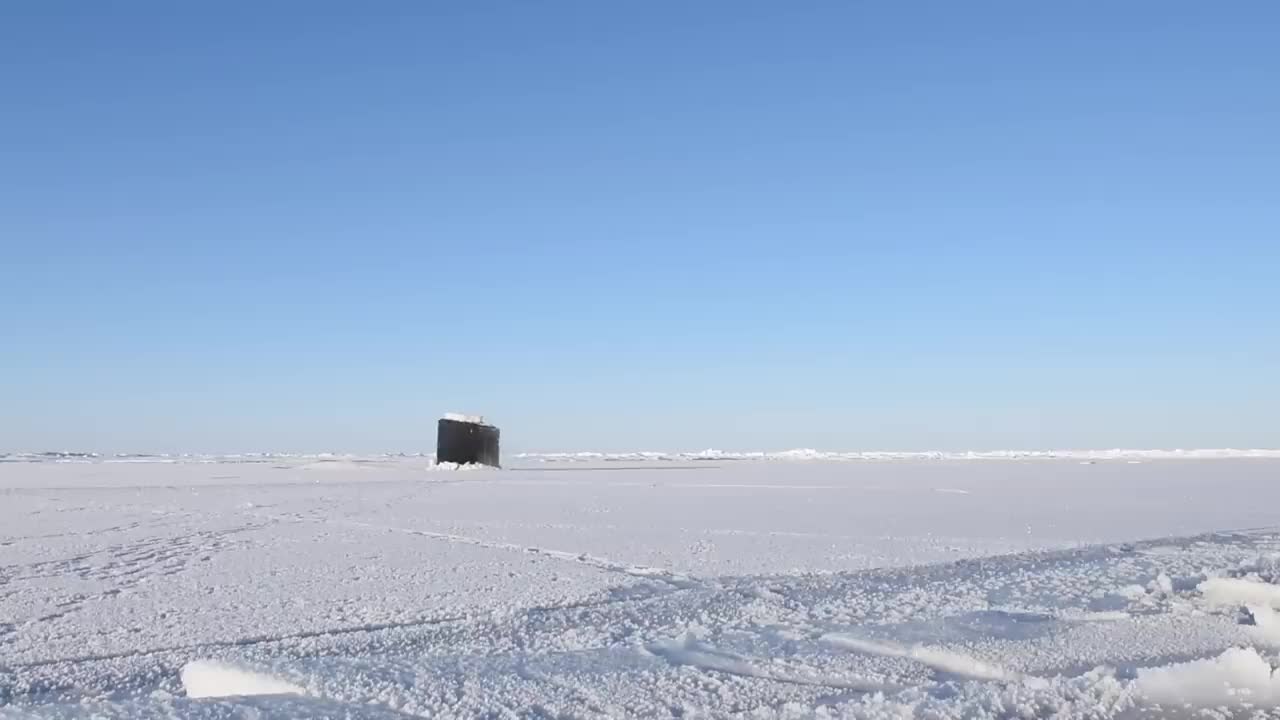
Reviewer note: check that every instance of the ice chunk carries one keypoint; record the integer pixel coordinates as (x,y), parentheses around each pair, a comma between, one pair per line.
(209,678)
(1237,677)
(1238,591)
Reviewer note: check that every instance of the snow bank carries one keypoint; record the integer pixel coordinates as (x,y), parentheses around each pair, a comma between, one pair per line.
(209,679)
(1238,677)
(263,458)
(810,454)
(800,454)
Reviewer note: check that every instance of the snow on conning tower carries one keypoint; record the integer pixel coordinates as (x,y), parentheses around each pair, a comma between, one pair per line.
(466,439)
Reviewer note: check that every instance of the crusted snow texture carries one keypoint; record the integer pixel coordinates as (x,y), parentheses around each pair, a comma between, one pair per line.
(367,587)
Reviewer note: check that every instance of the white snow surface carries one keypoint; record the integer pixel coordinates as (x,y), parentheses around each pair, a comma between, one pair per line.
(274,586)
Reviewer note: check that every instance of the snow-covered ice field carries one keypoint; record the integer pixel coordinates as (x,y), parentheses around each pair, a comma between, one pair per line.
(641,586)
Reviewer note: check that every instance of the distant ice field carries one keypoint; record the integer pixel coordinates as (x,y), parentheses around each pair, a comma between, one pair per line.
(657,586)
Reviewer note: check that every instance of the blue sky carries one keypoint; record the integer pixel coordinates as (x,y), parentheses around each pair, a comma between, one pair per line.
(317,226)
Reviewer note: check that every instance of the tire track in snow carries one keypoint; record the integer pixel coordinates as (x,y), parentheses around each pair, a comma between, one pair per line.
(691,652)
(584,696)
(252,640)
(642,572)
(245,642)
(676,581)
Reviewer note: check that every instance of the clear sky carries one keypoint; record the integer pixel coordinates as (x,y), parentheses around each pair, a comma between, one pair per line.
(662,225)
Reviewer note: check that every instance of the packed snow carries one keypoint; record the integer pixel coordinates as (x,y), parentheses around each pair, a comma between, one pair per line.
(806,585)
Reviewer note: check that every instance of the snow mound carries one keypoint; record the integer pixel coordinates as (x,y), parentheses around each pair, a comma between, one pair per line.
(1238,591)
(212,679)
(1236,678)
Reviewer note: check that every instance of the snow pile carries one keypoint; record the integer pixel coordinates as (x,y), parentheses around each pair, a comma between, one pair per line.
(463,418)
(212,679)
(1239,677)
(462,467)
